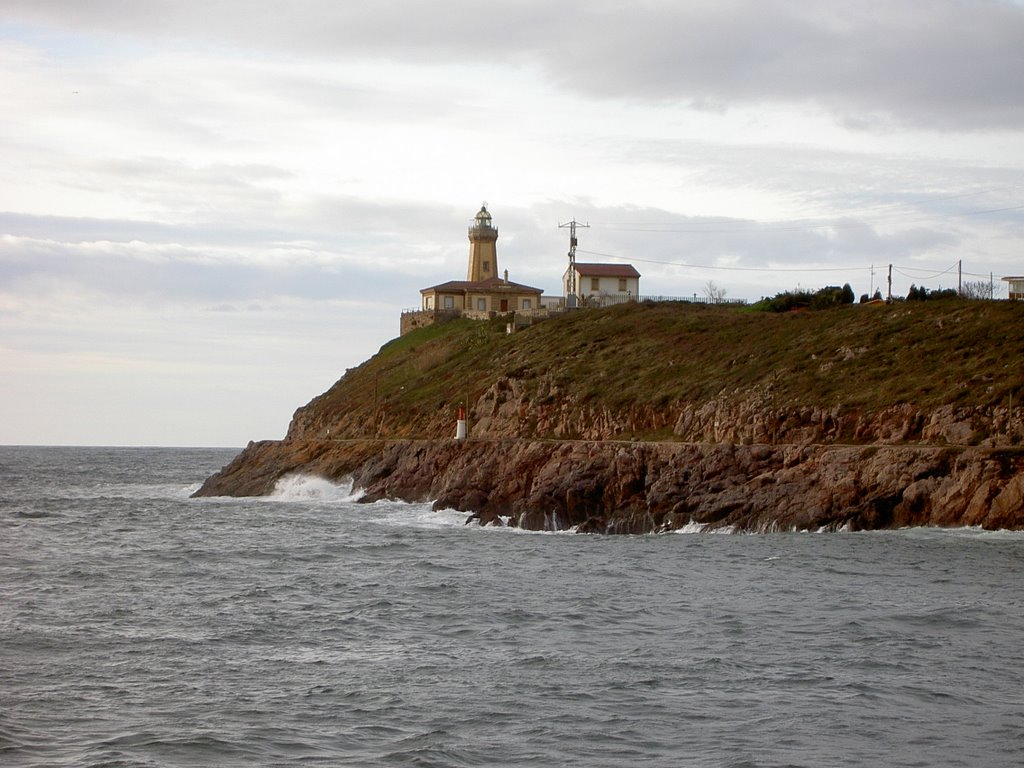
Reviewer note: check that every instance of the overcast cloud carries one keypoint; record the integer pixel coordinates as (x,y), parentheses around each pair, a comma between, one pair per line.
(208,211)
(932,63)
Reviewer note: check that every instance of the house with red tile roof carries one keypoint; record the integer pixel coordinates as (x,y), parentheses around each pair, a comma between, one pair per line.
(601,284)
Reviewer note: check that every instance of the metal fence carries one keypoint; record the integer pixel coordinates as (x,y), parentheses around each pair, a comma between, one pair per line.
(609,300)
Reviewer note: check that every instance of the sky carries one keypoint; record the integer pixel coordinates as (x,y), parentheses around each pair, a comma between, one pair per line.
(210,210)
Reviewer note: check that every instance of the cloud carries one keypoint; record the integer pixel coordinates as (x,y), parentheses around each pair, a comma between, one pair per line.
(941,64)
(136,273)
(79,369)
(935,64)
(248,193)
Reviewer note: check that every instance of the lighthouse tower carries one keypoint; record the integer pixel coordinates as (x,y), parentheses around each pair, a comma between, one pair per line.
(483,253)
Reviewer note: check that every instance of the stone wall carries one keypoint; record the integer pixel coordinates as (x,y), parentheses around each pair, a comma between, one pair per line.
(421,318)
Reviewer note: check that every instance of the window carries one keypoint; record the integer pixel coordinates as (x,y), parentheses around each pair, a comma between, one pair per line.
(429,302)
(622,285)
(527,304)
(595,284)
(449,302)
(486,266)
(481,304)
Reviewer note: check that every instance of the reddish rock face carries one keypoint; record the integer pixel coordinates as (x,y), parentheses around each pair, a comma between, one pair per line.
(797,430)
(641,487)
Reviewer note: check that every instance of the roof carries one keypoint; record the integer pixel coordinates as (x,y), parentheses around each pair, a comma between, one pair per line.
(490,285)
(606,270)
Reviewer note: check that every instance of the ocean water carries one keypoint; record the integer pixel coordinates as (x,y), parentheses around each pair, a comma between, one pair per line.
(139,627)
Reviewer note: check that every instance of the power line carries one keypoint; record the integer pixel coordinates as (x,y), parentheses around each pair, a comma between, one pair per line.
(924,273)
(733,269)
(740,227)
(921,274)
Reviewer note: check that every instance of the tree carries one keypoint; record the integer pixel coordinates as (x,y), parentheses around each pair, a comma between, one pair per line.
(714,294)
(976,289)
(829,296)
(848,297)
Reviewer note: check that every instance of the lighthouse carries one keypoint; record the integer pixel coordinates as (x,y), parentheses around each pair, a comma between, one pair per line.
(483,251)
(484,294)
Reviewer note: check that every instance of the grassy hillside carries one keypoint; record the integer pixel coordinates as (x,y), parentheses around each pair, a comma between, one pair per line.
(863,356)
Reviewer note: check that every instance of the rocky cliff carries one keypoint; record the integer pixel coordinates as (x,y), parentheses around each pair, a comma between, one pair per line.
(640,487)
(734,435)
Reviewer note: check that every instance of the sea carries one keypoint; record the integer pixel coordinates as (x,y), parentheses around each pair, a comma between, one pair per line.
(142,627)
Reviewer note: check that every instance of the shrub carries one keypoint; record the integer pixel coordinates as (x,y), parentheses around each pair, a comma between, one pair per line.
(825,298)
(923,294)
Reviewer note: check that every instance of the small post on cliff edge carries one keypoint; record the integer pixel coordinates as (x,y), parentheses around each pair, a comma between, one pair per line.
(460,425)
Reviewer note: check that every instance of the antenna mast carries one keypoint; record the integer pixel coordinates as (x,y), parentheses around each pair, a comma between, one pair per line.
(570,300)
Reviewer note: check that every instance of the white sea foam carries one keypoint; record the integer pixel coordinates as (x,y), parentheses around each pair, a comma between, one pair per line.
(455,518)
(694,527)
(528,531)
(311,488)
(691,527)
(415,515)
(726,530)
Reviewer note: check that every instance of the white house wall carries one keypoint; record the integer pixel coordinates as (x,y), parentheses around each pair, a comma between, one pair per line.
(606,286)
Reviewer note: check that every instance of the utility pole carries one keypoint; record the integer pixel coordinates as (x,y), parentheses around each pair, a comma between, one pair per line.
(890,285)
(570,300)
(960,278)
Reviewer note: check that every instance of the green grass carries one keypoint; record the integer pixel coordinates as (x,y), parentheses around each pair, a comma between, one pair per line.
(858,357)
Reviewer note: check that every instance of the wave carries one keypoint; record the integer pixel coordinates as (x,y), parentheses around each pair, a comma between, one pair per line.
(417,515)
(305,488)
(694,527)
(299,487)
(34,514)
(924,532)
(940,532)
(960,532)
(423,515)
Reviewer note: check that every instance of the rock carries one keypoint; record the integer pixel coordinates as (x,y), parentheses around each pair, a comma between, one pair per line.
(1007,507)
(643,487)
